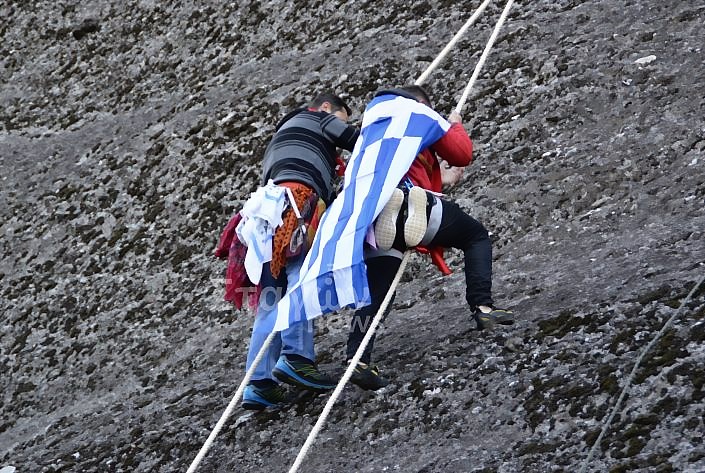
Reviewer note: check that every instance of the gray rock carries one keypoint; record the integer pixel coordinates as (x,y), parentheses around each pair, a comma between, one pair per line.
(130,132)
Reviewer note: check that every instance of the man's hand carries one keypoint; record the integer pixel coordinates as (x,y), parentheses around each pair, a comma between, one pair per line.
(450,175)
(455,117)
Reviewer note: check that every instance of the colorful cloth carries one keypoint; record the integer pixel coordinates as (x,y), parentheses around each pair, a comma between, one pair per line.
(455,148)
(282,236)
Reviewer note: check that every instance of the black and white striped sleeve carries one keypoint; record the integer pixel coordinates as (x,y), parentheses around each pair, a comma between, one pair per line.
(342,135)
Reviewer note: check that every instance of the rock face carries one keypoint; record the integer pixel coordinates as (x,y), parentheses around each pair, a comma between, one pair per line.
(129,132)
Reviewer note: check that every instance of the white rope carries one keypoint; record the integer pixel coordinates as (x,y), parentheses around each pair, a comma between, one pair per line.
(422,78)
(351,367)
(231,406)
(483,58)
(373,326)
(625,390)
(370,331)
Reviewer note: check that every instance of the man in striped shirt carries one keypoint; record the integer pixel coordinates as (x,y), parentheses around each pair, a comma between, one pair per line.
(302,157)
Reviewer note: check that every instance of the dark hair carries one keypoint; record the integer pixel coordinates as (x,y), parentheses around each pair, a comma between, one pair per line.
(418,92)
(336,102)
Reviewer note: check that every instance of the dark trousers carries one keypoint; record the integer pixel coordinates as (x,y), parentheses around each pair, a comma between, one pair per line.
(457,230)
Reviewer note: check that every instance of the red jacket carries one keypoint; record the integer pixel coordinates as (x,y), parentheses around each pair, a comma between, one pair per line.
(455,147)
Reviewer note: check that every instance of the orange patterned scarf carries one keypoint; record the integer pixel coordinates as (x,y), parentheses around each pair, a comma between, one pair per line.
(282,236)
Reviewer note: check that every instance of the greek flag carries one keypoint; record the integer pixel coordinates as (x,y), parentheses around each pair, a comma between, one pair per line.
(333,274)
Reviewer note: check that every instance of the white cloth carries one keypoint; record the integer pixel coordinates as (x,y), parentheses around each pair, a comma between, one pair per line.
(261,215)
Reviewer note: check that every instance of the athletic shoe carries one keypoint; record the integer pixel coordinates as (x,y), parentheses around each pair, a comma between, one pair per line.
(486,317)
(416,221)
(386,223)
(256,399)
(303,374)
(367,377)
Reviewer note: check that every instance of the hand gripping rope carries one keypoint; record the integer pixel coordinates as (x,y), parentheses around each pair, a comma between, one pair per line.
(375,322)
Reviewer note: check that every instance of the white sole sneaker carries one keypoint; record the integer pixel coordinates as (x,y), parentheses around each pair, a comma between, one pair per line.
(416,222)
(386,223)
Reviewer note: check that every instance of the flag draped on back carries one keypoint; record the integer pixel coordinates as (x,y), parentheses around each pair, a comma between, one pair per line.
(333,274)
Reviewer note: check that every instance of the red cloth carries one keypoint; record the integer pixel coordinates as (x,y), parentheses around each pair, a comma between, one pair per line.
(436,254)
(226,237)
(455,147)
(340,167)
(237,284)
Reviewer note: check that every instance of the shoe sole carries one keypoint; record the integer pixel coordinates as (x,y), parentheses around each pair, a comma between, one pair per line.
(286,375)
(504,318)
(416,222)
(368,386)
(386,223)
(256,402)
(490,322)
(485,323)
(255,406)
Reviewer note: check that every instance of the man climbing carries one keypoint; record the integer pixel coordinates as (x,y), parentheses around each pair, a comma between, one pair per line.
(298,174)
(430,222)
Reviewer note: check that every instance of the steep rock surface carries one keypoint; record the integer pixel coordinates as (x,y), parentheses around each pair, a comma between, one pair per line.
(131,130)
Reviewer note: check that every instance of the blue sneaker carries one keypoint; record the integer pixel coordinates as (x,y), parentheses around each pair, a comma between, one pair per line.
(303,374)
(256,399)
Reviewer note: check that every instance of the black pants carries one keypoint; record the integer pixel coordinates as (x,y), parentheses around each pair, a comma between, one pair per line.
(457,230)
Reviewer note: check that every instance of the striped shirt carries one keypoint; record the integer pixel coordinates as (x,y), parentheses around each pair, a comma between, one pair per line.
(303,150)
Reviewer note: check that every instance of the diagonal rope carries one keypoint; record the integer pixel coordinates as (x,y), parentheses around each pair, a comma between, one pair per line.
(228,410)
(351,367)
(422,78)
(243,384)
(627,385)
(348,373)
(378,316)
(483,58)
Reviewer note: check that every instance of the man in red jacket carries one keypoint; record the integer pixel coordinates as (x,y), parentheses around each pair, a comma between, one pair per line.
(446,225)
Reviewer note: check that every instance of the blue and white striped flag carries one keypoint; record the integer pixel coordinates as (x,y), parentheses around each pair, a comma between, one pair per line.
(333,275)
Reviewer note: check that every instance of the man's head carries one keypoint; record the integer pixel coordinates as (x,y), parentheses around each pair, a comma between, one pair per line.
(418,92)
(333,104)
